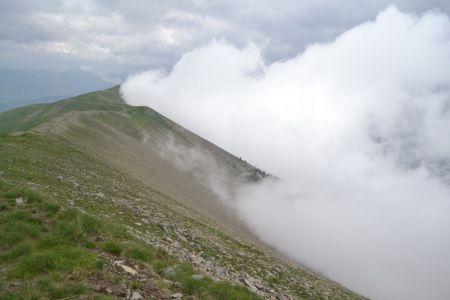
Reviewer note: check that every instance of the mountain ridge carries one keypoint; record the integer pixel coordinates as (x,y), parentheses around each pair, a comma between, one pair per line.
(128,140)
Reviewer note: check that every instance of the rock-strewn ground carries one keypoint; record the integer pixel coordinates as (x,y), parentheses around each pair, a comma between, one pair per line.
(77,180)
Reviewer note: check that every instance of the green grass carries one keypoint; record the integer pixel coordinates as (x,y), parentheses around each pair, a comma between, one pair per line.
(24,118)
(113,248)
(205,287)
(88,224)
(44,222)
(56,258)
(44,243)
(224,290)
(56,213)
(143,254)
(58,291)
(17,251)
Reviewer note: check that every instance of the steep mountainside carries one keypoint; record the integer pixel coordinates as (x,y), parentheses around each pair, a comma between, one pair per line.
(131,139)
(135,168)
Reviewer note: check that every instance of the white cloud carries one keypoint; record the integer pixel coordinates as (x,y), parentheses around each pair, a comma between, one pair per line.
(358,131)
(85,68)
(140,33)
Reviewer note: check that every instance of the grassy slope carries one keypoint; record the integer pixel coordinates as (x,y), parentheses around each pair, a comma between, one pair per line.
(138,119)
(90,183)
(24,118)
(101,124)
(68,178)
(128,140)
(52,247)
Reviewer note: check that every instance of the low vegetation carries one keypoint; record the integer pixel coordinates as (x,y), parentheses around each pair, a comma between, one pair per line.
(48,251)
(75,224)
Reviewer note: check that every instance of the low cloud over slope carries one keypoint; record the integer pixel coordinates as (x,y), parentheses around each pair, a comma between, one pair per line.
(356,129)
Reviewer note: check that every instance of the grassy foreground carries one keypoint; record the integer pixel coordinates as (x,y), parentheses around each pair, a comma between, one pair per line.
(52,250)
(75,226)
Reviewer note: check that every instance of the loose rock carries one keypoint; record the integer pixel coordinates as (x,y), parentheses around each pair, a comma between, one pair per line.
(136,296)
(126,268)
(169,271)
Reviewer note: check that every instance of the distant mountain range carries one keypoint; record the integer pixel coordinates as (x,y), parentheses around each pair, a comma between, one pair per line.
(23,87)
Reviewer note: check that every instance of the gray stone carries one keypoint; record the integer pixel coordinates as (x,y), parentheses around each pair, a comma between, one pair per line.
(169,271)
(125,267)
(250,285)
(121,290)
(219,270)
(136,296)
(281,296)
(19,200)
(100,288)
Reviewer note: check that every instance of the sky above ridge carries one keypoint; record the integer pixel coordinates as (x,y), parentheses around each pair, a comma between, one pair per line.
(116,38)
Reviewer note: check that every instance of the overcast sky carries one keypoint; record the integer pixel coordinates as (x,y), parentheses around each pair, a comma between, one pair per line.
(120,37)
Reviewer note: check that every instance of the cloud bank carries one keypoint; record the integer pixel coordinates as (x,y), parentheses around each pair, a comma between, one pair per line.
(116,38)
(357,130)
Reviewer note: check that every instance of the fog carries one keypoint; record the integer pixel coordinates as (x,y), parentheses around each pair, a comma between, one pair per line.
(358,132)
(202,165)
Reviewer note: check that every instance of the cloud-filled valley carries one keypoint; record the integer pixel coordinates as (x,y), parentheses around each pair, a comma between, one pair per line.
(357,131)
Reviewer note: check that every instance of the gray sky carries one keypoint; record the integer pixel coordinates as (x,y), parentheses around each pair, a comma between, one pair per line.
(116,38)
